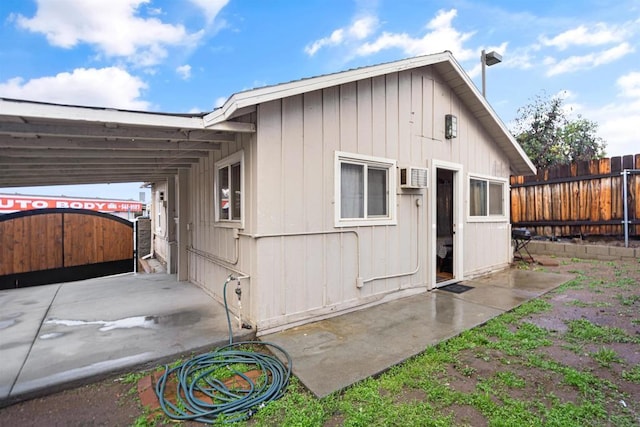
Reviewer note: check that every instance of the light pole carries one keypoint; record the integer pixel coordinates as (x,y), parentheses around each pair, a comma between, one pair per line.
(487,60)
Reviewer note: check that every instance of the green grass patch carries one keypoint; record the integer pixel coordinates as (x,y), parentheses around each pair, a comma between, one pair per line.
(605,357)
(296,408)
(584,330)
(583,304)
(576,283)
(510,379)
(621,282)
(569,414)
(632,375)
(628,300)
(526,336)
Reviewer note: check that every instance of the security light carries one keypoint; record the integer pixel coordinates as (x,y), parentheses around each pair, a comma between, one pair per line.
(450,126)
(488,59)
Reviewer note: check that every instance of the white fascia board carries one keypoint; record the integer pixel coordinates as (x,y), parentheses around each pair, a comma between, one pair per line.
(270,93)
(19,108)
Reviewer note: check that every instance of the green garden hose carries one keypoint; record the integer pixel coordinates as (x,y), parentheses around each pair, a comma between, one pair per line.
(201,396)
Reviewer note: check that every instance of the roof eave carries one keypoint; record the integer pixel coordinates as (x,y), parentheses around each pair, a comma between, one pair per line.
(270,93)
(41,110)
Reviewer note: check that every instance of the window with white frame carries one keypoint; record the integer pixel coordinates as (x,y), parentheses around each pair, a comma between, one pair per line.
(365,190)
(229,188)
(487,198)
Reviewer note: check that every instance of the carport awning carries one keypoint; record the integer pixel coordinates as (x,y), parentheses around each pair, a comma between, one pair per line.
(51,144)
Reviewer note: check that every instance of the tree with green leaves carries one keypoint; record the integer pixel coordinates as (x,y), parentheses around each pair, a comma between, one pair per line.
(550,138)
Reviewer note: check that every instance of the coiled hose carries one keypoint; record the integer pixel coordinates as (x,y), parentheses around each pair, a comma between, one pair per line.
(200,396)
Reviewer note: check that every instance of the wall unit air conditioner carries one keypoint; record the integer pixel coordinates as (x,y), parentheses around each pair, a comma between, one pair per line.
(414,177)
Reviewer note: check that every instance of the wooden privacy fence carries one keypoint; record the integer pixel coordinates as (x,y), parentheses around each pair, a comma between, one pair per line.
(583,198)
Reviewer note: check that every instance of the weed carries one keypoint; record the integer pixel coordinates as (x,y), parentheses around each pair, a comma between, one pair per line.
(142,421)
(510,379)
(296,408)
(133,377)
(577,283)
(467,370)
(582,304)
(621,282)
(571,414)
(584,330)
(630,300)
(632,375)
(605,357)
(532,307)
(483,355)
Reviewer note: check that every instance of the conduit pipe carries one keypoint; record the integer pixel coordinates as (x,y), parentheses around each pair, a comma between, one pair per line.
(409,273)
(359,280)
(222,262)
(312,233)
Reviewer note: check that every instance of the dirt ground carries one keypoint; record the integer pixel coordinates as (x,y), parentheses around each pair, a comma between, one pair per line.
(607,294)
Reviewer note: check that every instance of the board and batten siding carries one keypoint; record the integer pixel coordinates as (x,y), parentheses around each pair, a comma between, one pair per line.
(304,266)
(212,246)
(301,266)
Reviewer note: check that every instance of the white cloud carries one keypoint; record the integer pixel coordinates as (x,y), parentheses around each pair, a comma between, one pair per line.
(219,102)
(184,71)
(114,28)
(441,35)
(618,126)
(211,8)
(106,87)
(617,121)
(597,35)
(629,85)
(359,29)
(591,60)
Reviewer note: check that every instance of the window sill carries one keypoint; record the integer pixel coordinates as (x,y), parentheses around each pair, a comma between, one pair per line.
(487,219)
(365,222)
(229,224)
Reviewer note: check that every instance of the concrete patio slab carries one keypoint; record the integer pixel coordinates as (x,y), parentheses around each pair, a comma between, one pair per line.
(55,336)
(332,354)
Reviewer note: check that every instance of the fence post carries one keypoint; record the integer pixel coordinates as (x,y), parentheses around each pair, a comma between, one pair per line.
(625,202)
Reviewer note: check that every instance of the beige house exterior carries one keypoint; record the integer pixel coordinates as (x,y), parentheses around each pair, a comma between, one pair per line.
(343,191)
(320,196)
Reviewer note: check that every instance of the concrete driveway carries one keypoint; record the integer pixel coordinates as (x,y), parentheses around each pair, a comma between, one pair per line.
(56,336)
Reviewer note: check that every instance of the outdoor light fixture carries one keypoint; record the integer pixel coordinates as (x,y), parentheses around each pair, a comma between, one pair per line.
(450,126)
(488,59)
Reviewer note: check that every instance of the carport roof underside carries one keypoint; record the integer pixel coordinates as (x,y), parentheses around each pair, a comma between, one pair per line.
(51,144)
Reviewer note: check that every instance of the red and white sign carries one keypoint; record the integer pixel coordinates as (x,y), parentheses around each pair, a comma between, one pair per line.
(13,203)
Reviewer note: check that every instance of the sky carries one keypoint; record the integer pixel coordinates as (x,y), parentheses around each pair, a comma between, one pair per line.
(184,56)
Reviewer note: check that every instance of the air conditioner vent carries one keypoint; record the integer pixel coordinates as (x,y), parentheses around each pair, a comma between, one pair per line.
(414,177)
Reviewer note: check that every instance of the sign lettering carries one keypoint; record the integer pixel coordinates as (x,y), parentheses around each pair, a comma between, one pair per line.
(12,203)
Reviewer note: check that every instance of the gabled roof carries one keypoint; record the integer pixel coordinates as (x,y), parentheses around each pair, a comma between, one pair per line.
(445,65)
(48,144)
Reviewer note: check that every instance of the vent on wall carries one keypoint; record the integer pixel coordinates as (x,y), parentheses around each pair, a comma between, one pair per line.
(414,178)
